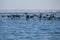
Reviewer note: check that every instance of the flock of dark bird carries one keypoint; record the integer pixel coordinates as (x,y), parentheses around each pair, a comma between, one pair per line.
(49,17)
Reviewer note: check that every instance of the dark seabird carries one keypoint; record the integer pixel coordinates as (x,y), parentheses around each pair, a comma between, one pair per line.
(27,17)
(52,16)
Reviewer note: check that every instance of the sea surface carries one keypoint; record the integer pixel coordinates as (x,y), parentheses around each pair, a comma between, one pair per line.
(32,29)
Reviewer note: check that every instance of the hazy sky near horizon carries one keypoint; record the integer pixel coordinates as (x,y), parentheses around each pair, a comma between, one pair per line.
(29,4)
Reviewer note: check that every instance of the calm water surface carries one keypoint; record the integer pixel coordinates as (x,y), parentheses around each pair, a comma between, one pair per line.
(33,29)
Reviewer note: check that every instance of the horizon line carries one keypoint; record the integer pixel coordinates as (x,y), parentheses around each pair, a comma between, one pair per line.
(26,9)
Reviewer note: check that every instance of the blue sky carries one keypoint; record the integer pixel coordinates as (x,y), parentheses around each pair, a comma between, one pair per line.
(29,4)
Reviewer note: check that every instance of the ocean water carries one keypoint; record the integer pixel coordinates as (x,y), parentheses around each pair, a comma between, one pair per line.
(32,29)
